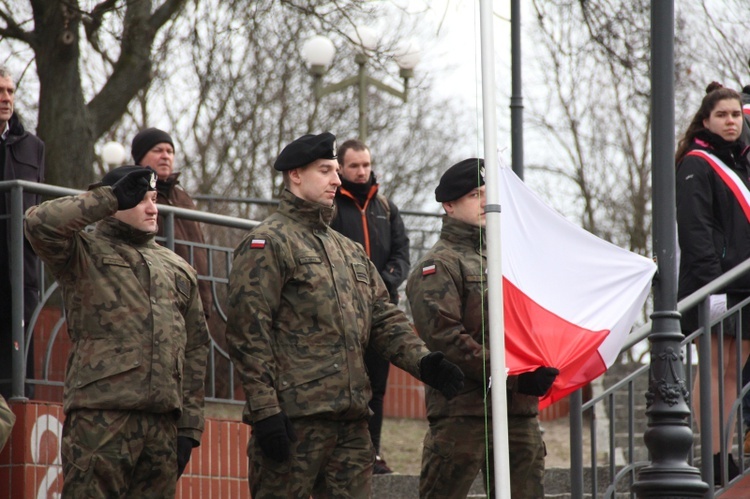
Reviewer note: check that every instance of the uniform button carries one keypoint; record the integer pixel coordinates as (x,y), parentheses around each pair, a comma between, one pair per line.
(156,342)
(351,348)
(153,300)
(284,383)
(149,262)
(78,384)
(336,366)
(136,363)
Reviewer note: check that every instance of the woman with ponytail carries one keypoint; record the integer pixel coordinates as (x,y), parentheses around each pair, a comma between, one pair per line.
(713,221)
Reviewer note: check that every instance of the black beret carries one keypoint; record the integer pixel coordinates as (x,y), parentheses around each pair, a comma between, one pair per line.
(306,149)
(460,179)
(145,140)
(112,176)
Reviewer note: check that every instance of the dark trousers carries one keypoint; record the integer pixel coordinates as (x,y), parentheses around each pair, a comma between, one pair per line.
(377,369)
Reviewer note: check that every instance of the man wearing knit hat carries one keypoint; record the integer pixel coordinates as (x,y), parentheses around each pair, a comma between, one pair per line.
(304,304)
(154,148)
(447,291)
(134,384)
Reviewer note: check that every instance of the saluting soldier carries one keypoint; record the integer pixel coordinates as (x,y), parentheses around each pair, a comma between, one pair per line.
(304,304)
(134,383)
(447,291)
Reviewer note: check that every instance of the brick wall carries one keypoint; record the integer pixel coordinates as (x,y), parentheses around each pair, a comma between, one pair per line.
(30,465)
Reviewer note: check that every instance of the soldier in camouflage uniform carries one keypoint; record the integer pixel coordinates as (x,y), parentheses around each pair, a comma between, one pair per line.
(134,382)
(304,303)
(447,291)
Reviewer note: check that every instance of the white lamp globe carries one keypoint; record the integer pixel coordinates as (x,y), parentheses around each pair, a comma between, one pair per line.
(318,51)
(366,38)
(408,54)
(113,153)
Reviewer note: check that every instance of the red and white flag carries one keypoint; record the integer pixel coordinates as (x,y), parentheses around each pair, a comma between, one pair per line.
(570,298)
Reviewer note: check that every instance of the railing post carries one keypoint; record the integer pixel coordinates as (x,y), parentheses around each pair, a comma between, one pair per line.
(576,443)
(669,437)
(18,355)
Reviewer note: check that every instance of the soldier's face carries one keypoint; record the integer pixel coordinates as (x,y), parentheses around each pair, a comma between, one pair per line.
(7,98)
(469,208)
(161,159)
(356,166)
(316,182)
(143,216)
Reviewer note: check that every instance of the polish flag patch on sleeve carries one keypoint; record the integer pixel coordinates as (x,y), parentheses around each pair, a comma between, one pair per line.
(258,243)
(429,269)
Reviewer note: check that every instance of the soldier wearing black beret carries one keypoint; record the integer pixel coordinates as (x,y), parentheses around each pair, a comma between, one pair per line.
(304,304)
(460,179)
(447,293)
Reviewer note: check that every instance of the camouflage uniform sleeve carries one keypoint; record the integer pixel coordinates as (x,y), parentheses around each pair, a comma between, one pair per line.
(391,333)
(51,226)
(7,419)
(435,301)
(255,285)
(191,422)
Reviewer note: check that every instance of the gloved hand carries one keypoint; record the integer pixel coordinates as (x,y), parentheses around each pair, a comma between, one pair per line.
(184,450)
(537,382)
(441,374)
(131,188)
(275,435)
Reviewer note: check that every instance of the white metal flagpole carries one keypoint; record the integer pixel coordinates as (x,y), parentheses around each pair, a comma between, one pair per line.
(494,257)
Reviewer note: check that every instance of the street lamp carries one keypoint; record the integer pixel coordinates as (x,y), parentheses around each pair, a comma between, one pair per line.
(113,153)
(319,51)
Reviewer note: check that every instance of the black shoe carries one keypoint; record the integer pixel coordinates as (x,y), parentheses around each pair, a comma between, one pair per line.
(380,468)
(733,471)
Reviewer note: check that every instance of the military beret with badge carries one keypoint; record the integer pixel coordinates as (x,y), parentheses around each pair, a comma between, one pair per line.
(306,149)
(460,179)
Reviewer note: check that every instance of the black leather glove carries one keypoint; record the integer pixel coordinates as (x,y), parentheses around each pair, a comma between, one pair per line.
(441,374)
(537,382)
(131,188)
(184,450)
(275,435)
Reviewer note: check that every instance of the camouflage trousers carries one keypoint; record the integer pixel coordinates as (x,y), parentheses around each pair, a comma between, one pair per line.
(330,459)
(119,454)
(456,449)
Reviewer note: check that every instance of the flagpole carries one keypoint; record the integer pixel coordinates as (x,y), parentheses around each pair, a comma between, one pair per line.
(494,257)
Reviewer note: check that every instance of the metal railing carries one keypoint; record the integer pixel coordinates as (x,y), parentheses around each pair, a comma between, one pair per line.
(625,458)
(47,321)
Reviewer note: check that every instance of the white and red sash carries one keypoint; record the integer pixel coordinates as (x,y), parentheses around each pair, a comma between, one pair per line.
(729,177)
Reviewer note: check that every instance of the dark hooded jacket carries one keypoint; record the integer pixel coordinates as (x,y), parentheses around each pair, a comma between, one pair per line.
(361,215)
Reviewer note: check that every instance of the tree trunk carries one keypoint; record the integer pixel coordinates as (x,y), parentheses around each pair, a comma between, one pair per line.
(63,116)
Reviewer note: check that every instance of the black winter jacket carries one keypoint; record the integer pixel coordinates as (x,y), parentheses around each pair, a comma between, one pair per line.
(713,231)
(367,222)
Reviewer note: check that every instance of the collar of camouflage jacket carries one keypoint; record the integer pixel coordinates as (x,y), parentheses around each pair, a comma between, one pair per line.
(313,215)
(460,232)
(116,229)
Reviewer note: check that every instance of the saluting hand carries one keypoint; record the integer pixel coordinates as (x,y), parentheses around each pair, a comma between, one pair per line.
(131,188)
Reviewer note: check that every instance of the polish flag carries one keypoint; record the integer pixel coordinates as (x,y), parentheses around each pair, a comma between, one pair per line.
(570,298)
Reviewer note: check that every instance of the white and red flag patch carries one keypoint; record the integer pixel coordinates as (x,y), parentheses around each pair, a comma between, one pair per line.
(569,298)
(258,243)
(429,269)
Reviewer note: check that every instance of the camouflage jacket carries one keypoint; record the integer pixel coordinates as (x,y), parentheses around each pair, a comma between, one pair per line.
(447,292)
(134,314)
(304,301)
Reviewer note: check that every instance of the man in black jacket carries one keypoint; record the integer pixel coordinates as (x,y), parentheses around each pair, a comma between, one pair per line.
(21,158)
(364,215)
